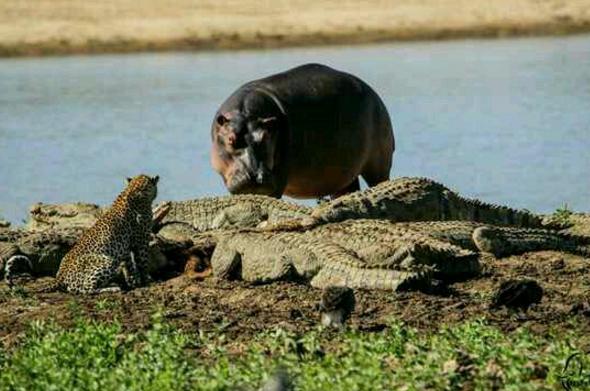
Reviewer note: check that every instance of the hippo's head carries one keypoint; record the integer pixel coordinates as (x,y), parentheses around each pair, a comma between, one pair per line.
(245,149)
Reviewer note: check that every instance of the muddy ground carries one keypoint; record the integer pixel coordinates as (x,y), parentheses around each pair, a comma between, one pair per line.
(242,310)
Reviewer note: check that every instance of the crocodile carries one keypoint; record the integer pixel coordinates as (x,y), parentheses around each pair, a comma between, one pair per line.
(413,199)
(236,211)
(378,254)
(359,253)
(401,199)
(44,216)
(42,251)
(202,223)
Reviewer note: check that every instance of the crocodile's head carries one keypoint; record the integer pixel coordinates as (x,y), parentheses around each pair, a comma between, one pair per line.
(336,210)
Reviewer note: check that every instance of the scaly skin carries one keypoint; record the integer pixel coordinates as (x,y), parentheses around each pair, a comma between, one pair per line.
(44,250)
(59,216)
(292,256)
(418,199)
(378,254)
(237,211)
(402,199)
(472,236)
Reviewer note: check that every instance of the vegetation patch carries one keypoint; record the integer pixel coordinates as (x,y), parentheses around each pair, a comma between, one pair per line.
(474,355)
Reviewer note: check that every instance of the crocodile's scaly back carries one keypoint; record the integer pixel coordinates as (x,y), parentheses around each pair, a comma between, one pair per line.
(380,254)
(471,236)
(419,199)
(235,211)
(44,250)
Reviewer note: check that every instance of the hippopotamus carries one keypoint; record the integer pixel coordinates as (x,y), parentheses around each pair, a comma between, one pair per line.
(308,132)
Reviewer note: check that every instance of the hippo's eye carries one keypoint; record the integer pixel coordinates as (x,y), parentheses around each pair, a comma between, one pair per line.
(221,120)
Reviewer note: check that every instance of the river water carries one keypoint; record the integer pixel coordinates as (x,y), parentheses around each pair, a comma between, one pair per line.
(506,121)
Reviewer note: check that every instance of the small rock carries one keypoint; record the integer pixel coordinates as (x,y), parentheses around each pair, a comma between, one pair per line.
(436,288)
(580,308)
(295,314)
(558,264)
(538,370)
(518,294)
(279,381)
(336,305)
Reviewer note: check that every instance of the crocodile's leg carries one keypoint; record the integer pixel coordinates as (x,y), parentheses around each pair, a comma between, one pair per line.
(252,258)
(239,216)
(226,261)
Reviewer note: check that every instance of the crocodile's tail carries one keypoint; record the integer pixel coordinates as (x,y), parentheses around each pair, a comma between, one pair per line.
(460,208)
(293,224)
(420,199)
(358,277)
(503,242)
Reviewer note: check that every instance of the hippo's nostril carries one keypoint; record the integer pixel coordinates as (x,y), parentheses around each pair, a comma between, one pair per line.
(231,139)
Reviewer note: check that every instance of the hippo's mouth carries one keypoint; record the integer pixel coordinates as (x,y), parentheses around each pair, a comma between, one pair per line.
(244,182)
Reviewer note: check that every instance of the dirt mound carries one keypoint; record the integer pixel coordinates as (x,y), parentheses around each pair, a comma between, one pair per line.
(242,310)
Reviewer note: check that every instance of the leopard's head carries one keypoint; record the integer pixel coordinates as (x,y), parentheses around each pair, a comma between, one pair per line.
(142,188)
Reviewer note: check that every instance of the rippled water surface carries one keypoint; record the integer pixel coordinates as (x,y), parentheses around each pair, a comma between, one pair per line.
(505,121)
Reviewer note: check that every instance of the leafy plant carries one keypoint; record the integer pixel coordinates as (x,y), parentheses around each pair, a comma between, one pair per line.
(562,215)
(101,356)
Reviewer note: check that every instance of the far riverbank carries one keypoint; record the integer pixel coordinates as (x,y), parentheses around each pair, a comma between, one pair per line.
(38,27)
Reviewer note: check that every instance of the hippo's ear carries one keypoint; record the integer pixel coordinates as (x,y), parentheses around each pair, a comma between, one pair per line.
(268,120)
(268,123)
(221,120)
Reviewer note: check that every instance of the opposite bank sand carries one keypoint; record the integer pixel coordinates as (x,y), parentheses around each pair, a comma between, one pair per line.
(36,27)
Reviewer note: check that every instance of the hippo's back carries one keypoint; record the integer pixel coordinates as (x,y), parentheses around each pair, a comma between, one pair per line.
(339,129)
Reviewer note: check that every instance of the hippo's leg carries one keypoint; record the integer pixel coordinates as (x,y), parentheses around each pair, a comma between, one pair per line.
(351,188)
(377,170)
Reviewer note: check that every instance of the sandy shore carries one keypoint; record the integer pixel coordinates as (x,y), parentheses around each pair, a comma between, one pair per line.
(40,27)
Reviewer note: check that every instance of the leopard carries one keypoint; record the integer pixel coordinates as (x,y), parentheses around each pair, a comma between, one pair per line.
(118,241)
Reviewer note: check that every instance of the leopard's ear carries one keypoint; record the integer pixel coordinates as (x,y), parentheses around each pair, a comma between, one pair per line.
(156,179)
(128,180)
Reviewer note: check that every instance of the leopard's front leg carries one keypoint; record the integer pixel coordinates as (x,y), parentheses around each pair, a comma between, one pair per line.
(130,272)
(141,257)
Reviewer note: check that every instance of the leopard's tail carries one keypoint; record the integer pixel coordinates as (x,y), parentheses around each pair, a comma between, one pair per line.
(50,286)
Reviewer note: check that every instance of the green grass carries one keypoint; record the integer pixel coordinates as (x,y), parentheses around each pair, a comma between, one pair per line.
(99,356)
